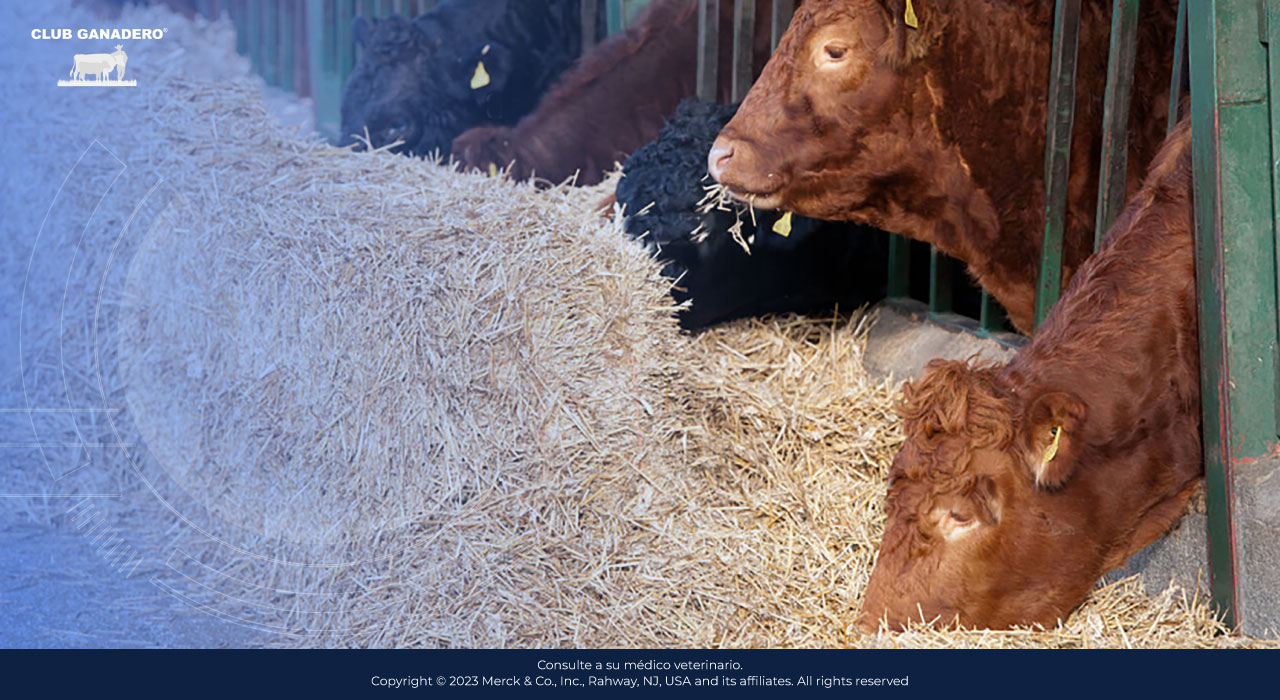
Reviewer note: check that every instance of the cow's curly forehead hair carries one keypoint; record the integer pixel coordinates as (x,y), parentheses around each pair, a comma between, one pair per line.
(391,40)
(813,14)
(902,46)
(954,398)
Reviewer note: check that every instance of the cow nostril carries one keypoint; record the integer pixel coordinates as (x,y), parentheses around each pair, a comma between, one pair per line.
(719,157)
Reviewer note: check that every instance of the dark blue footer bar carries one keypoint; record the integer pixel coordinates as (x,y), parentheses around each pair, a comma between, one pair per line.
(570,674)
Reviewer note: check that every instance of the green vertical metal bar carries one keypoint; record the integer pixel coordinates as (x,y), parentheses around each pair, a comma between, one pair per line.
(369,10)
(899,266)
(940,281)
(782,11)
(992,315)
(589,19)
(327,10)
(1214,429)
(237,10)
(326,88)
(253,31)
(744,26)
(1271,13)
(288,43)
(346,50)
(708,50)
(1235,266)
(1179,75)
(1062,103)
(271,43)
(1115,116)
(632,9)
(613,16)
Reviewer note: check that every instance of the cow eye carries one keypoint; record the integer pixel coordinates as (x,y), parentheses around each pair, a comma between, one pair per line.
(835,52)
(953,525)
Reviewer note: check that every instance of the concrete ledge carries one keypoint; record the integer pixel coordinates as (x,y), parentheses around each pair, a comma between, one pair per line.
(1255,488)
(1180,557)
(903,338)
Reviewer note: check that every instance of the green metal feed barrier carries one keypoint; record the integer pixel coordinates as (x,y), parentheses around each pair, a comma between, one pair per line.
(1235,130)
(307,48)
(1234,134)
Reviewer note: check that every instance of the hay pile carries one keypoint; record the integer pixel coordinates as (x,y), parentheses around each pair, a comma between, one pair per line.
(411,370)
(379,403)
(796,441)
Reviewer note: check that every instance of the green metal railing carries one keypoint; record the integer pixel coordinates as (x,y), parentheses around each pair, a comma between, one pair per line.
(305,47)
(1057,157)
(1235,131)
(1226,47)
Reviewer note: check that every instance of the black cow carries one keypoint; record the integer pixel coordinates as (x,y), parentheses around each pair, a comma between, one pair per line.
(819,266)
(423,81)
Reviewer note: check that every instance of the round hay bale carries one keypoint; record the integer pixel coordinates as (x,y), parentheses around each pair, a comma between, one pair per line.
(356,340)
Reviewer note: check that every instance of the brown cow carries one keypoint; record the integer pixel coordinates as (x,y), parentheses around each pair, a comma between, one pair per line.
(1018,486)
(613,101)
(938,132)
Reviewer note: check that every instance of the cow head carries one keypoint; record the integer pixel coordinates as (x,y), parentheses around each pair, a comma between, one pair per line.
(489,146)
(420,83)
(983,526)
(831,121)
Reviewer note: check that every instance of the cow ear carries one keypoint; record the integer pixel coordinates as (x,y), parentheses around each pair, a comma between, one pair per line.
(426,31)
(893,52)
(987,498)
(1051,435)
(912,29)
(361,30)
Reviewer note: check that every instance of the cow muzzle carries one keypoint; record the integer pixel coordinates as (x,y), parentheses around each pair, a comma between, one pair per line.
(730,163)
(719,158)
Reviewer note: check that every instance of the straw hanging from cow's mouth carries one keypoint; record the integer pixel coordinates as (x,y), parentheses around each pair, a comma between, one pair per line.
(718,197)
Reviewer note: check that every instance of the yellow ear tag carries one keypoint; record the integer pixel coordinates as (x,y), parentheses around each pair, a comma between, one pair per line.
(1052,452)
(481,78)
(493,170)
(782,226)
(910,16)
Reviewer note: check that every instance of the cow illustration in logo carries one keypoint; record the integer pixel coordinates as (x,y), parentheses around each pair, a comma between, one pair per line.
(98,65)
